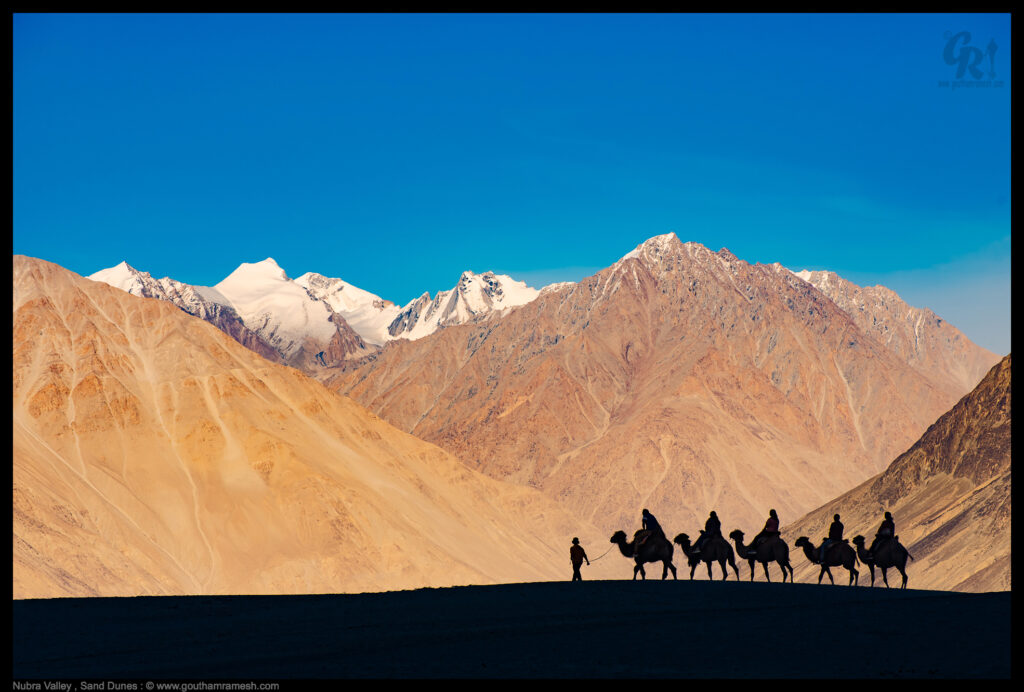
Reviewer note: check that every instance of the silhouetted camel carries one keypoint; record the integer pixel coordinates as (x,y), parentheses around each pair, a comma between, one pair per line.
(715,550)
(769,551)
(655,549)
(889,554)
(837,554)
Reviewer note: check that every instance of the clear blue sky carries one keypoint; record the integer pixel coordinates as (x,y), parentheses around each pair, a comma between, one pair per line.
(397,151)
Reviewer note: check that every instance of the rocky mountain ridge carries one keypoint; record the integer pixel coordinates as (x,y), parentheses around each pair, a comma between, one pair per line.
(678,378)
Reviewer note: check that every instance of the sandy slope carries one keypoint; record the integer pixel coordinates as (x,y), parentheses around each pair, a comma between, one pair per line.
(154,455)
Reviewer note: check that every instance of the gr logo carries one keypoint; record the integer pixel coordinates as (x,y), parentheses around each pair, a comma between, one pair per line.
(959,52)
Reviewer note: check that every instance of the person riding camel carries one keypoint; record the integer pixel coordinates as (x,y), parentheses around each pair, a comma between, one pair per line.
(712,529)
(651,527)
(835,535)
(886,531)
(577,555)
(770,530)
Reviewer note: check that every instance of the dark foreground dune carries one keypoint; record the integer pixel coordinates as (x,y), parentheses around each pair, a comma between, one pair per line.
(590,629)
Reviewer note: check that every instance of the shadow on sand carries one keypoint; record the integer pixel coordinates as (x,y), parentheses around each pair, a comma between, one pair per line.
(591,629)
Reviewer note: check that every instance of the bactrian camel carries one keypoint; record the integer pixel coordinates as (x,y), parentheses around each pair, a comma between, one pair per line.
(837,554)
(655,549)
(715,550)
(774,550)
(889,554)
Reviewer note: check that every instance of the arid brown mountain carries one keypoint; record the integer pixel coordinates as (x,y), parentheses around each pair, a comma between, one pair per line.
(152,454)
(949,495)
(678,379)
(929,344)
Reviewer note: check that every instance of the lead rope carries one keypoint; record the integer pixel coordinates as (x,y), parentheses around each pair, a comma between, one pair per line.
(605,553)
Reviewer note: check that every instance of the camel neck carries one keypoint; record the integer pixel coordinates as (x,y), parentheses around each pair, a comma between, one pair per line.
(626,548)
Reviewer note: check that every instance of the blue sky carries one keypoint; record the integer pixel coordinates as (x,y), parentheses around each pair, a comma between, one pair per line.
(396,151)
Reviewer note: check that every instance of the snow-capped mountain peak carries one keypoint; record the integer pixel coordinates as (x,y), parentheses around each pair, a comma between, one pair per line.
(123,276)
(368,314)
(475,296)
(654,246)
(265,270)
(277,307)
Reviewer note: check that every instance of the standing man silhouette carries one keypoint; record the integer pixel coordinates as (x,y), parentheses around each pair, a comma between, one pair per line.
(577,555)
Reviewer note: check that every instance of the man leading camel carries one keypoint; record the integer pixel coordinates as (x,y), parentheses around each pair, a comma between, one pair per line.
(577,555)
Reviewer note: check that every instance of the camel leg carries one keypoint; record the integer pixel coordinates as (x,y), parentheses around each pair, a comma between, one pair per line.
(708,563)
(673,568)
(829,573)
(884,578)
(693,568)
(664,570)
(751,562)
(725,572)
(735,569)
(904,574)
(854,575)
(872,568)
(768,576)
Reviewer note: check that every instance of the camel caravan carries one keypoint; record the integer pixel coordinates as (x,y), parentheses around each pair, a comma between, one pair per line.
(650,544)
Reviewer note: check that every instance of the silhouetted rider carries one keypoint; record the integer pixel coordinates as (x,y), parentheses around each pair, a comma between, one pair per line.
(651,528)
(712,529)
(885,531)
(770,530)
(835,535)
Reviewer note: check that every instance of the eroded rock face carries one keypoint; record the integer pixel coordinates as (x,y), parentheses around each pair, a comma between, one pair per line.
(949,494)
(679,379)
(152,454)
